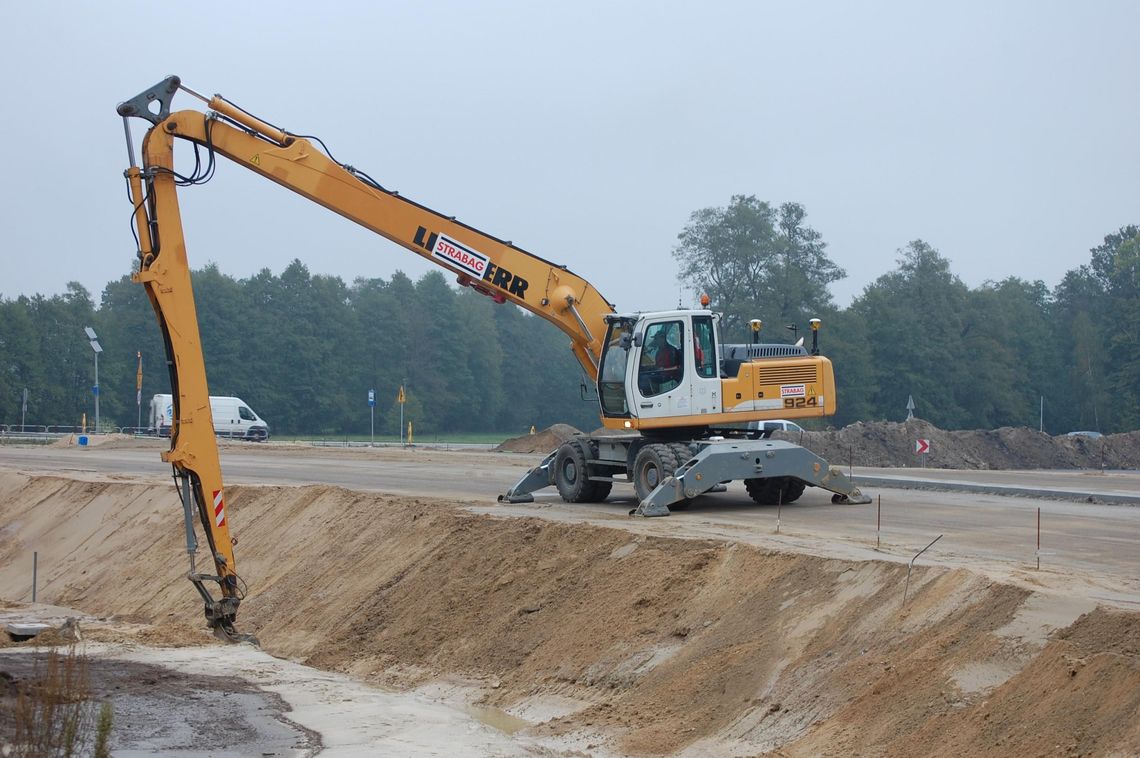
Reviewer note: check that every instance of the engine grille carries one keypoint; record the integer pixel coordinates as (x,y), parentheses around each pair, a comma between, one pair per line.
(804,374)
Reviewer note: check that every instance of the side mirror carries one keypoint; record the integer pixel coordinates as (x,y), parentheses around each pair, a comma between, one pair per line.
(639,339)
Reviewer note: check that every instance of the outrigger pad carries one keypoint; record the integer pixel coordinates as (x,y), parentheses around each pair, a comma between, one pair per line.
(509,498)
(649,510)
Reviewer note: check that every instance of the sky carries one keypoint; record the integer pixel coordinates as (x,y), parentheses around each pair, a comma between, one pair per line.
(1004,134)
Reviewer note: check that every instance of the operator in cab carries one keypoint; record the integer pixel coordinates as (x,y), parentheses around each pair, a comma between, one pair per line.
(660,363)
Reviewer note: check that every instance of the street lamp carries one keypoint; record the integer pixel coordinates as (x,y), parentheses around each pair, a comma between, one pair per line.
(98,349)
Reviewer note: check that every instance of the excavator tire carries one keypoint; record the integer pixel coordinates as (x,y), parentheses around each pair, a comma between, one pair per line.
(654,464)
(601,492)
(766,491)
(793,488)
(570,474)
(682,452)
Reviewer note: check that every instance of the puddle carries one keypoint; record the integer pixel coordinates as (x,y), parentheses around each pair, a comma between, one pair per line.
(496,718)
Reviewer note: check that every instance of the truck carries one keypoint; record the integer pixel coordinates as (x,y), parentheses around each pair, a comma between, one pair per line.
(675,399)
(232,417)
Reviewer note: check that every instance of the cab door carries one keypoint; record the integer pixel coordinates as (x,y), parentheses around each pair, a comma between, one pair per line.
(705,384)
(662,383)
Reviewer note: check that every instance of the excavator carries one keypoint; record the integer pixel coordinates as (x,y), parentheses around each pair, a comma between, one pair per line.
(675,401)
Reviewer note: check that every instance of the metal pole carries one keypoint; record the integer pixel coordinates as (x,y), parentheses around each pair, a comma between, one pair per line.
(35,566)
(878,521)
(1041,418)
(96,392)
(372,426)
(23,409)
(910,565)
(138,392)
(1038,554)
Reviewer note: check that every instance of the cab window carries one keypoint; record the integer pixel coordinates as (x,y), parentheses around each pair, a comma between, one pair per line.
(662,363)
(246,414)
(704,346)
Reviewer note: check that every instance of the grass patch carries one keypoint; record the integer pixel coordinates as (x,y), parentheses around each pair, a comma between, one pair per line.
(51,712)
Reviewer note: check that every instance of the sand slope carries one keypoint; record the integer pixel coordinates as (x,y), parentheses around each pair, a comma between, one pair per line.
(614,642)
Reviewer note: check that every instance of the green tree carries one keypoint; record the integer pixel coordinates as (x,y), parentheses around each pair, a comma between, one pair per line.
(484,397)
(438,369)
(66,364)
(1116,265)
(844,341)
(1026,315)
(756,261)
(914,318)
(383,321)
(541,378)
(1080,303)
(127,327)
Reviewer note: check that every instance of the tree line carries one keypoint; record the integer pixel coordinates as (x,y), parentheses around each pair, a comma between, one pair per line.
(304,349)
(1007,353)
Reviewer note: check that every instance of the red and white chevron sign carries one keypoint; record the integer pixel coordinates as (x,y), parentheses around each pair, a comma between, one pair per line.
(921,447)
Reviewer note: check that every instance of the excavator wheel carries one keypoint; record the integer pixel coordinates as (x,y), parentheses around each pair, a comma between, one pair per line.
(793,488)
(766,491)
(601,492)
(572,477)
(681,451)
(774,490)
(654,464)
(570,472)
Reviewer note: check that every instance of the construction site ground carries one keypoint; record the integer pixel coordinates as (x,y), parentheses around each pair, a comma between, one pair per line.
(401,611)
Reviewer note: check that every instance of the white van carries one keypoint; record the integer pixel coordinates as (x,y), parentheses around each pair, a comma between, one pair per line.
(232,418)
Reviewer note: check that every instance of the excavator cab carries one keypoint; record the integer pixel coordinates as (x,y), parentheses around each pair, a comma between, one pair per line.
(660,365)
(669,370)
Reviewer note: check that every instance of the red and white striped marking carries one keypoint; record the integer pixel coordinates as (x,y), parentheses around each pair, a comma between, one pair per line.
(219,509)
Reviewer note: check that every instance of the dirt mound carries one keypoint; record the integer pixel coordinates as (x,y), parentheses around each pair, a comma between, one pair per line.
(638,644)
(546,441)
(892,444)
(93,440)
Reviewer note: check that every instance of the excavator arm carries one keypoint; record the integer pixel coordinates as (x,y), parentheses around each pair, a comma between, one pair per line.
(486,263)
(489,265)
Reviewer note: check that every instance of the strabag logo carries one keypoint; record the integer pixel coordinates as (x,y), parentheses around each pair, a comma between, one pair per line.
(455,253)
(793,390)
